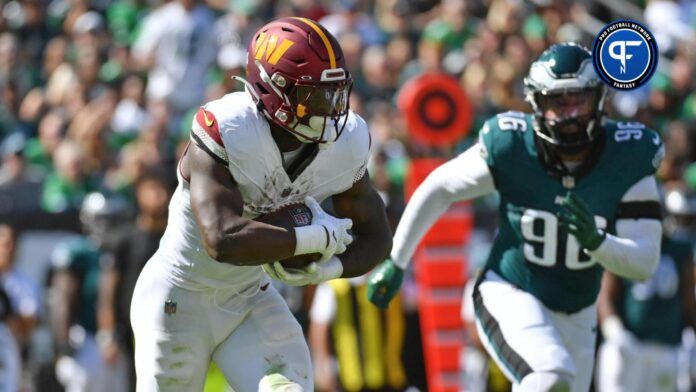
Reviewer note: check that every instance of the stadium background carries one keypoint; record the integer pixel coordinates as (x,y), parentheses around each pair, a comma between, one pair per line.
(98,96)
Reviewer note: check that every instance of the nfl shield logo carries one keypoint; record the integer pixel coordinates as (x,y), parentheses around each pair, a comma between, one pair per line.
(170,307)
(301,216)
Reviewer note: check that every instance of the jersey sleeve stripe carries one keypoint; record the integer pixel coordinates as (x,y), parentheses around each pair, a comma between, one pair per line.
(324,39)
(203,141)
(209,124)
(649,209)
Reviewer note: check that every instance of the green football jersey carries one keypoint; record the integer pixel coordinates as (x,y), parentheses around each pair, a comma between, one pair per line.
(531,250)
(81,257)
(652,310)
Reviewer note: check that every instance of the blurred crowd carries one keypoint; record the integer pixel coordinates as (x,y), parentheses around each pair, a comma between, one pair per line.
(97,99)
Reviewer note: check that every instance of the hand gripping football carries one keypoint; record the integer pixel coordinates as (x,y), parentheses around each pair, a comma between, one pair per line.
(289,217)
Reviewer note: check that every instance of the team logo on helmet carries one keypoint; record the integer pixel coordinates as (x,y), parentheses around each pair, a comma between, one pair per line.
(625,54)
(273,48)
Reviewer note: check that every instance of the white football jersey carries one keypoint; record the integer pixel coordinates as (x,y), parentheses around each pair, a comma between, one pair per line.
(235,133)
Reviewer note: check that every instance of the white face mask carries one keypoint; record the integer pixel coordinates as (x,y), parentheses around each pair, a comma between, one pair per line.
(317,126)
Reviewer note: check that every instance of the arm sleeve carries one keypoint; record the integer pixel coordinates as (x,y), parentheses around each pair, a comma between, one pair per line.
(465,177)
(634,251)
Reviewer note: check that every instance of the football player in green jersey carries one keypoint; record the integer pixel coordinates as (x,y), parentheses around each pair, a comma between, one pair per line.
(642,322)
(577,196)
(76,283)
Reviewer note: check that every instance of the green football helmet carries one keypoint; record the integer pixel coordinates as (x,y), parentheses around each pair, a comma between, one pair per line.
(679,213)
(565,69)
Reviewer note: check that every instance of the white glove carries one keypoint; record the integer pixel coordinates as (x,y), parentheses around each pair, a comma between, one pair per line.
(70,374)
(327,234)
(615,332)
(314,273)
(270,271)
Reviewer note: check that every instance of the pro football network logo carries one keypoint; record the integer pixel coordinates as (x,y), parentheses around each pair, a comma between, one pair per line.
(624,54)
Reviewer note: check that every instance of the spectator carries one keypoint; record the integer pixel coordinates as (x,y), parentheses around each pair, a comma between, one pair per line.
(178,43)
(348,17)
(368,358)
(14,171)
(10,364)
(451,29)
(39,151)
(67,185)
(678,151)
(84,361)
(132,246)
(22,291)
(129,114)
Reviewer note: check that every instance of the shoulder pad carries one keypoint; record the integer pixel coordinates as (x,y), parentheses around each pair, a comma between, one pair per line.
(637,143)
(503,133)
(205,132)
(358,135)
(217,117)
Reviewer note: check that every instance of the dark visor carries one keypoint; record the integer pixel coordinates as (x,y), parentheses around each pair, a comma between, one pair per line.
(324,101)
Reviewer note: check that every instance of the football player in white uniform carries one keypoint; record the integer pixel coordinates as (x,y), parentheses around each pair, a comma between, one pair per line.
(289,138)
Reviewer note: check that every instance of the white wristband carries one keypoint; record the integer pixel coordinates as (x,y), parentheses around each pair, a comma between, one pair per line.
(403,264)
(310,239)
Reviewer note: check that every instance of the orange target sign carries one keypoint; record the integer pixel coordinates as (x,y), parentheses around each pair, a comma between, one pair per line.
(437,110)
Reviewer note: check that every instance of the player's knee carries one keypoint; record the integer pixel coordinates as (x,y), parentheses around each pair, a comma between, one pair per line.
(546,382)
(276,382)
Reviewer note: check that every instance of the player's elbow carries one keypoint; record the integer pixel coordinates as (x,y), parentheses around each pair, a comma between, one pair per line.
(644,266)
(641,274)
(213,244)
(220,246)
(649,258)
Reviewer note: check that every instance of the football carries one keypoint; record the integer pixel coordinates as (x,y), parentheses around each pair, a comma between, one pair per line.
(291,216)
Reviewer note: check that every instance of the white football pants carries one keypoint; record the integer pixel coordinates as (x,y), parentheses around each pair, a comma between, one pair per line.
(250,334)
(525,337)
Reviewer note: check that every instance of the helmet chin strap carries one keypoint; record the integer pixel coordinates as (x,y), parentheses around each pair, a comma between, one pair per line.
(319,128)
(247,86)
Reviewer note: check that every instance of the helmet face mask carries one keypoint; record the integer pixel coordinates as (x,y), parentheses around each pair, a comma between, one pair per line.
(321,111)
(100,214)
(679,221)
(567,98)
(297,77)
(567,118)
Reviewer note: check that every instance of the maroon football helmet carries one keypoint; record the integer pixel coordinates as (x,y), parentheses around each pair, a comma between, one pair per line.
(297,75)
